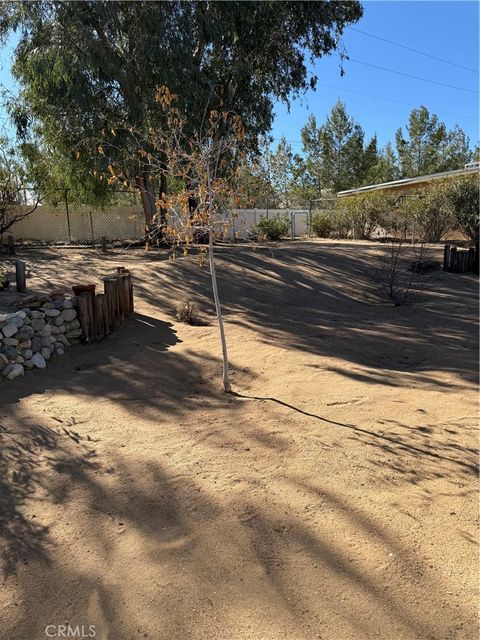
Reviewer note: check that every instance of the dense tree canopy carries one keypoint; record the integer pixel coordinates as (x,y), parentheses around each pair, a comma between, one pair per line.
(428,146)
(88,69)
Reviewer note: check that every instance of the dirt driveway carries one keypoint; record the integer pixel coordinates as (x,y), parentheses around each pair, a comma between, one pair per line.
(334,497)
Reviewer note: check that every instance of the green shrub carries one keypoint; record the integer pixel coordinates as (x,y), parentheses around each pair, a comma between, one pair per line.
(343,218)
(463,195)
(371,212)
(431,209)
(322,225)
(273,228)
(360,215)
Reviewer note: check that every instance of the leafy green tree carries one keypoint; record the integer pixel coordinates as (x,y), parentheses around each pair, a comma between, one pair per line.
(456,151)
(311,162)
(334,153)
(370,160)
(386,167)
(89,70)
(464,196)
(428,147)
(281,171)
(252,185)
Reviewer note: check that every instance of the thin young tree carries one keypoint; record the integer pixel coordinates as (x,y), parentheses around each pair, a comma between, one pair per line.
(203,162)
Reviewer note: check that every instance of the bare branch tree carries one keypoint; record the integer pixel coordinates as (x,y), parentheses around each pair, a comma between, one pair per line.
(203,163)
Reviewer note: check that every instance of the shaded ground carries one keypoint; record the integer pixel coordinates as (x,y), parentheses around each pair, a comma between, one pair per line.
(334,496)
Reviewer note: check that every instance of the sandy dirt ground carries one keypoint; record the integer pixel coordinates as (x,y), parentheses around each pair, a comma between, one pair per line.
(333,498)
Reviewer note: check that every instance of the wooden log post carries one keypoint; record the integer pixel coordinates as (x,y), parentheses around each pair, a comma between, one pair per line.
(10,246)
(83,316)
(453,259)
(124,288)
(111,295)
(20,276)
(121,312)
(91,314)
(459,260)
(123,271)
(104,244)
(446,257)
(106,324)
(471,258)
(99,317)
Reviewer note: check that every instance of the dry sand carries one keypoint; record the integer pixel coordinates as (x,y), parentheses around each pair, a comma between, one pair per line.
(333,498)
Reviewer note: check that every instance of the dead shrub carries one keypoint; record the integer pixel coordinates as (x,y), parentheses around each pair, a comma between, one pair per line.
(187,312)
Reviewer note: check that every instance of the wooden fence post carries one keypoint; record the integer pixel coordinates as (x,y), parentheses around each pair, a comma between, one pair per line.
(99,317)
(83,315)
(453,259)
(446,257)
(111,294)
(20,276)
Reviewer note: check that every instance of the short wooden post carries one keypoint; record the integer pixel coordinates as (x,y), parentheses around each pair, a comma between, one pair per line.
(99,317)
(20,276)
(83,315)
(111,294)
(124,289)
(10,246)
(121,313)
(129,293)
(471,258)
(104,244)
(453,259)
(446,257)
(106,324)
(91,314)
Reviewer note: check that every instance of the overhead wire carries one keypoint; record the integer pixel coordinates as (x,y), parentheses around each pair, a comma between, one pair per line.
(408,75)
(422,53)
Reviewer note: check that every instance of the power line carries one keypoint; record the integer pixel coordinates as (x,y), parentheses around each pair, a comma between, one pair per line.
(408,75)
(422,53)
(406,104)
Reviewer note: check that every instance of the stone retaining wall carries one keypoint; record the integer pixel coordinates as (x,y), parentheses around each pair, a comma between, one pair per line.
(41,329)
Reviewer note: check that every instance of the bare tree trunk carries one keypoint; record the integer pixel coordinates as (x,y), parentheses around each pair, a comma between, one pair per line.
(226,384)
(147,209)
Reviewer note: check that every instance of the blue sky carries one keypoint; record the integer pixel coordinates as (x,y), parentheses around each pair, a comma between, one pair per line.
(448,30)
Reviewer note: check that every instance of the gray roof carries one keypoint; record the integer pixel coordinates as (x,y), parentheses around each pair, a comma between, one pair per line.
(407,181)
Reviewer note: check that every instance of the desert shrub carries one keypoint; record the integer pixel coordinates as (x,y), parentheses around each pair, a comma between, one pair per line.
(463,196)
(342,218)
(371,211)
(322,225)
(273,228)
(360,215)
(187,312)
(395,279)
(431,210)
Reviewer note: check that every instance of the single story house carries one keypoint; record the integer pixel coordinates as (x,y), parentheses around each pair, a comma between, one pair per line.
(407,186)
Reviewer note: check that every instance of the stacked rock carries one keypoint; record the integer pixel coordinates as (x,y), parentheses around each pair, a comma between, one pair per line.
(42,328)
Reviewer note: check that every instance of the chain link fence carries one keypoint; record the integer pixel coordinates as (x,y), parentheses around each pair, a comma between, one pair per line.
(121,224)
(66,223)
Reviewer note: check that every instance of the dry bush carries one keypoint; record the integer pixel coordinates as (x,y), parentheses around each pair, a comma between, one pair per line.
(187,312)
